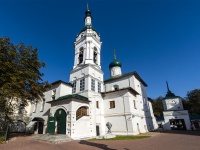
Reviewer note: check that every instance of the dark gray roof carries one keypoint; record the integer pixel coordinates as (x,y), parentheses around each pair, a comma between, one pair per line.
(60,81)
(125,75)
(128,88)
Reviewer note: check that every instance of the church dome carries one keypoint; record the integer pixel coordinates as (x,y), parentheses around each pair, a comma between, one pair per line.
(87,13)
(115,63)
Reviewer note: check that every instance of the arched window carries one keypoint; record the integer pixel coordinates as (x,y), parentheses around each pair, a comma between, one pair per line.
(80,57)
(95,55)
(82,111)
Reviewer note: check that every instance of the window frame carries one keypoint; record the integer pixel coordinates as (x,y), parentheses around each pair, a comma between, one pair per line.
(99,87)
(81,111)
(112,104)
(74,87)
(82,84)
(42,105)
(97,104)
(134,104)
(93,85)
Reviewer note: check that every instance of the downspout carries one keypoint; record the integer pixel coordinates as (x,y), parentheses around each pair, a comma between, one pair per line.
(125,116)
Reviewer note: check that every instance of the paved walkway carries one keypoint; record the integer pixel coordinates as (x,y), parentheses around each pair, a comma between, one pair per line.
(173,140)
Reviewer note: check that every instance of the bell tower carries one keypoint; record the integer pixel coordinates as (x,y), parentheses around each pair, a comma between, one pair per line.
(87,45)
(87,76)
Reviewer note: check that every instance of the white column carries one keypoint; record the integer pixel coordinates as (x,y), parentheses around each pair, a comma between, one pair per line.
(98,59)
(84,53)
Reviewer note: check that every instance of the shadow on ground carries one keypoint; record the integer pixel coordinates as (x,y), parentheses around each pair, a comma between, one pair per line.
(186,132)
(102,146)
(12,135)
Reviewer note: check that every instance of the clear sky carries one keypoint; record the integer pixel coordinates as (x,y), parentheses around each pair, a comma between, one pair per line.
(159,39)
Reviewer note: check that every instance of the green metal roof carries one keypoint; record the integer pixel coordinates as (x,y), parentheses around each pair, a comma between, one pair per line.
(115,63)
(77,96)
(73,96)
(88,27)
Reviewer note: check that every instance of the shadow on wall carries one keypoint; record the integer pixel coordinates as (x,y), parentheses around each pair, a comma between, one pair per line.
(102,146)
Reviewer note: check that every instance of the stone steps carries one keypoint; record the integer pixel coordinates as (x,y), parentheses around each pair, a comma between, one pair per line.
(57,138)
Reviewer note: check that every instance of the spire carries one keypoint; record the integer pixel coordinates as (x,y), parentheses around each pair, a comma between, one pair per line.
(87,12)
(87,6)
(169,93)
(88,16)
(114,54)
(167,87)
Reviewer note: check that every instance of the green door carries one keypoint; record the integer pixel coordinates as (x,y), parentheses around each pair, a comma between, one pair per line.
(51,125)
(60,117)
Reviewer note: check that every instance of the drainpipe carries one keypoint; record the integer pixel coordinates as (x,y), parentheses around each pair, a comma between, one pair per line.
(125,116)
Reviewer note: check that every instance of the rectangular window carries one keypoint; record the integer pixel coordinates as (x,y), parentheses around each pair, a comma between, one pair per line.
(134,104)
(112,104)
(53,96)
(74,87)
(35,107)
(82,84)
(42,105)
(93,85)
(99,87)
(97,104)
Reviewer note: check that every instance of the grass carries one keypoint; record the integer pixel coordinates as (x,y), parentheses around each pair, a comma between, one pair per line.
(121,137)
(2,140)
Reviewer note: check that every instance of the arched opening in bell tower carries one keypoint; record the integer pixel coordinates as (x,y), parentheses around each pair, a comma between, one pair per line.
(80,57)
(95,55)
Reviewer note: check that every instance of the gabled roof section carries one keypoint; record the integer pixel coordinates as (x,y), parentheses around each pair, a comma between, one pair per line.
(76,96)
(60,81)
(125,75)
(128,88)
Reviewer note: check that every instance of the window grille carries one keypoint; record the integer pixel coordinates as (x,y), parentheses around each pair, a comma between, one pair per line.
(99,87)
(82,84)
(74,87)
(93,85)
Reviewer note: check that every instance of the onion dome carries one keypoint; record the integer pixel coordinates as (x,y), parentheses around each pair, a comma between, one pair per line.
(115,63)
(87,13)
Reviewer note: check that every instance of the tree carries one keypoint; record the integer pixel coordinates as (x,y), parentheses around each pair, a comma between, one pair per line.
(194,101)
(158,106)
(186,105)
(20,76)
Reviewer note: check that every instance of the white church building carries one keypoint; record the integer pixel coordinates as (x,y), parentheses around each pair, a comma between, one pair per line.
(82,107)
(175,117)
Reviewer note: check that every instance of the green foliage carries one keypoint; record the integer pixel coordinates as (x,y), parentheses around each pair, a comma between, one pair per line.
(158,106)
(2,139)
(194,101)
(20,76)
(186,104)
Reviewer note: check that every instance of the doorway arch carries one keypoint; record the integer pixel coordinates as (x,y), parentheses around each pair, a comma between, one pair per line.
(60,121)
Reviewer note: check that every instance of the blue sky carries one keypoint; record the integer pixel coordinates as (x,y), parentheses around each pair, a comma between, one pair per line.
(159,39)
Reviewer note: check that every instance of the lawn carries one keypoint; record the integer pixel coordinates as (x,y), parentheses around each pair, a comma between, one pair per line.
(121,137)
